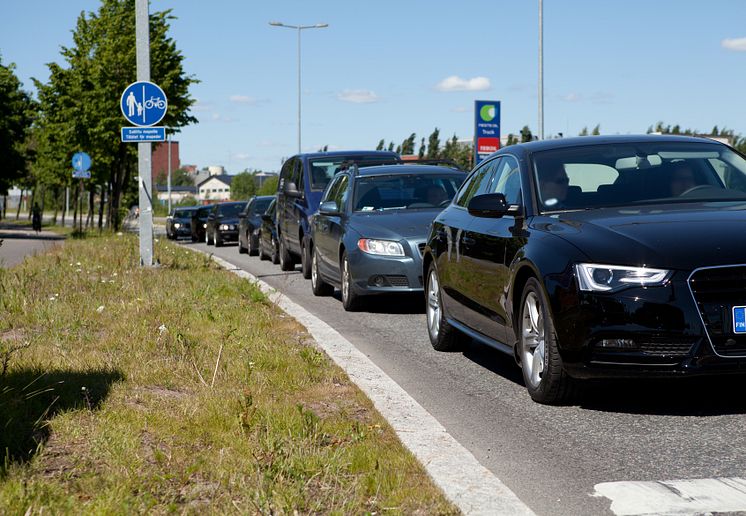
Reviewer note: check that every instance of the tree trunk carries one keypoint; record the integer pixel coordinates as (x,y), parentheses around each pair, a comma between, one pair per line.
(43,198)
(101,206)
(30,205)
(91,207)
(64,205)
(20,201)
(56,197)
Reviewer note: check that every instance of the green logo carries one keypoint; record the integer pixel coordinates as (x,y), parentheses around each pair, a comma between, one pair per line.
(487,112)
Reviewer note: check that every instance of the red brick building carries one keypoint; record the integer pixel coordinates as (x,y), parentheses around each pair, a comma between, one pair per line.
(160,161)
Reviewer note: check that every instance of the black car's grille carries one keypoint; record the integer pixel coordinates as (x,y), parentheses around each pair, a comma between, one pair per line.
(661,346)
(398,281)
(716,291)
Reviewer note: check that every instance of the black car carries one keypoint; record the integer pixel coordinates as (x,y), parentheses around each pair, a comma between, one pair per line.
(368,235)
(269,248)
(199,222)
(179,223)
(596,257)
(249,223)
(303,179)
(222,223)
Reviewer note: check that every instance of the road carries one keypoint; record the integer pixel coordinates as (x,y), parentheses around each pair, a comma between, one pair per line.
(19,242)
(551,457)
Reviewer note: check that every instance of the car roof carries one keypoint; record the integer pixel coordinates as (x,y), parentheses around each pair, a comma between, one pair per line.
(581,141)
(404,169)
(335,154)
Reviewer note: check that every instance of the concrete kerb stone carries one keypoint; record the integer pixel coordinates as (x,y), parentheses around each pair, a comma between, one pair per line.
(466,483)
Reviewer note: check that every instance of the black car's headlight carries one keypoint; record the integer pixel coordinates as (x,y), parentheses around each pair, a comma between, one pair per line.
(380,247)
(593,277)
(177,225)
(227,227)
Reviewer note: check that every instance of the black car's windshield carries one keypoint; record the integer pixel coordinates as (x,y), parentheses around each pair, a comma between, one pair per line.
(324,169)
(260,205)
(411,191)
(231,210)
(647,173)
(182,214)
(203,213)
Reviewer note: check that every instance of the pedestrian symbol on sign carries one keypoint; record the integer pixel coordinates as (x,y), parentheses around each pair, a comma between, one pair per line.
(143,104)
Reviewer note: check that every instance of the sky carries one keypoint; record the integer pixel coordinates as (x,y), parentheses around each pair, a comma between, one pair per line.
(388,68)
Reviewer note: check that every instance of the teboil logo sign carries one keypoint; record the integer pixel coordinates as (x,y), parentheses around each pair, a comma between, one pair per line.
(486,128)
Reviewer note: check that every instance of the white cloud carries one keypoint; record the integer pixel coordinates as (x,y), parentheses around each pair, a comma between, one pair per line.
(736,44)
(242,99)
(201,106)
(456,83)
(216,117)
(358,96)
(460,109)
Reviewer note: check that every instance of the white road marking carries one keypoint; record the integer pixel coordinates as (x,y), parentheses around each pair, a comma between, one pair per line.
(675,497)
(466,483)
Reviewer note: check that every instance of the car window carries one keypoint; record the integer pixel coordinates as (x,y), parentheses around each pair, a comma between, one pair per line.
(340,194)
(230,210)
(286,172)
(298,178)
(260,205)
(405,191)
(478,183)
(507,180)
(322,170)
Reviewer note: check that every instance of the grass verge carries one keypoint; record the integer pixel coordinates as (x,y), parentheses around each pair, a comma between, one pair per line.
(179,389)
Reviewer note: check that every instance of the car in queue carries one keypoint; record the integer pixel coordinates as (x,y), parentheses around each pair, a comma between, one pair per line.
(302,181)
(371,228)
(222,223)
(594,258)
(269,247)
(199,222)
(179,223)
(249,223)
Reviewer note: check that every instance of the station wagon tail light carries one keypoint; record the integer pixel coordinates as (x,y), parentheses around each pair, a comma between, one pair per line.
(380,247)
(593,277)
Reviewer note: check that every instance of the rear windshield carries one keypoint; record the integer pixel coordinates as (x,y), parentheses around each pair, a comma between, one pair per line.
(397,192)
(324,169)
(231,210)
(644,173)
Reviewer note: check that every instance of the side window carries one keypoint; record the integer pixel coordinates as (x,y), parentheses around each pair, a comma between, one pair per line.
(340,195)
(286,173)
(507,180)
(477,184)
(299,175)
(247,209)
(331,192)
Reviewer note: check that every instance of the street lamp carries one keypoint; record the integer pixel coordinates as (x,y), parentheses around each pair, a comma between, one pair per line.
(541,69)
(299,28)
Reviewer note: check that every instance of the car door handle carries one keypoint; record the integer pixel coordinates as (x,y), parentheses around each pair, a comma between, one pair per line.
(468,241)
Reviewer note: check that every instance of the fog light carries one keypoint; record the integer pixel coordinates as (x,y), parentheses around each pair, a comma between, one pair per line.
(617,343)
(379,281)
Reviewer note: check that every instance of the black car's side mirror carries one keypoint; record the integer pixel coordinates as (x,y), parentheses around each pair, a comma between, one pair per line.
(329,208)
(266,218)
(491,205)
(291,189)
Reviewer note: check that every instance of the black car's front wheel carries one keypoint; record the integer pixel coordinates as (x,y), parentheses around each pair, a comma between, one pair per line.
(241,248)
(545,378)
(253,244)
(443,336)
(208,240)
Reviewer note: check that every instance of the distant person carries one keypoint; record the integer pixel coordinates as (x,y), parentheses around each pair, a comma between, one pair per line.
(36,217)
(553,184)
(682,179)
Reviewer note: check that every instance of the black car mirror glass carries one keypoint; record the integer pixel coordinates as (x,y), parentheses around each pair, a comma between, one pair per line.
(488,205)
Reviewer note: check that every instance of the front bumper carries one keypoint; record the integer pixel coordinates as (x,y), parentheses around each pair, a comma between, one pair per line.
(228,235)
(374,274)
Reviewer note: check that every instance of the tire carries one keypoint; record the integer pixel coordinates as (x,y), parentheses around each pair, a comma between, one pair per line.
(351,301)
(208,240)
(253,247)
(286,261)
(443,336)
(275,256)
(217,239)
(241,249)
(262,254)
(194,239)
(305,257)
(545,377)
(318,285)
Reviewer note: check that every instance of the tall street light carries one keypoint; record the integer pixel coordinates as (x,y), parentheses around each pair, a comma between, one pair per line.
(541,69)
(299,28)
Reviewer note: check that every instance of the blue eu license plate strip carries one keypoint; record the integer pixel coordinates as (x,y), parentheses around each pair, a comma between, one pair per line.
(739,319)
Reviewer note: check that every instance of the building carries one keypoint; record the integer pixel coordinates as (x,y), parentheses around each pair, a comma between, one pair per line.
(215,188)
(178,193)
(159,160)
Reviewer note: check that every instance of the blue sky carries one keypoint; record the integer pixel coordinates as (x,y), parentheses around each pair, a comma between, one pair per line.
(389,68)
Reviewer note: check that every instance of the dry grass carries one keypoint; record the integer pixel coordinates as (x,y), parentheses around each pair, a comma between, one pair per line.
(180,389)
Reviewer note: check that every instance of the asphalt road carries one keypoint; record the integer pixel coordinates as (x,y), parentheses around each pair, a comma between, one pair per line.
(19,242)
(551,457)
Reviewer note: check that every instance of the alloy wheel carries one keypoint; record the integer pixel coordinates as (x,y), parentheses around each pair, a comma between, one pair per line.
(533,338)
(433,305)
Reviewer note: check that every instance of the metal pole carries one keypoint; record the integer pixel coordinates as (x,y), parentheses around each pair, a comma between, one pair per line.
(142,45)
(541,69)
(299,29)
(168,141)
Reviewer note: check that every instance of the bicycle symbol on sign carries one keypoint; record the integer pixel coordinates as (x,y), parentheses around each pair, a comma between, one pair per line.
(155,102)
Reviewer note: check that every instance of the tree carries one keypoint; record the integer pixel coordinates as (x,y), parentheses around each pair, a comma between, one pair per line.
(181,177)
(407,146)
(269,187)
(391,146)
(380,145)
(243,186)
(584,131)
(596,130)
(526,135)
(421,153)
(433,144)
(16,116)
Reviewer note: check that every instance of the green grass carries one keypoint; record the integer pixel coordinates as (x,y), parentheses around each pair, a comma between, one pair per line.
(179,389)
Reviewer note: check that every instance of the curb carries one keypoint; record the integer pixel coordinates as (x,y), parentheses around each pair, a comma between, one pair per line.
(465,482)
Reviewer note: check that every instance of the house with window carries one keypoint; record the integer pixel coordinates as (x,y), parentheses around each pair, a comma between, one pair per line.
(215,188)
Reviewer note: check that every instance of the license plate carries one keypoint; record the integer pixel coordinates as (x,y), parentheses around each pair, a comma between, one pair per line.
(739,319)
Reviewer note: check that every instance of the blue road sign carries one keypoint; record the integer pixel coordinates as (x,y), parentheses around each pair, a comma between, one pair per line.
(486,128)
(143,134)
(81,174)
(81,162)
(143,103)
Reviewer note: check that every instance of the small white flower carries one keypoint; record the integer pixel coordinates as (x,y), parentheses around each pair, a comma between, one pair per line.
(78,264)
(78,270)
(120,233)
(100,309)
(114,274)
(161,329)
(52,298)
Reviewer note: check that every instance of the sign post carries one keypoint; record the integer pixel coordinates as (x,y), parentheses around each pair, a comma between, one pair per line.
(486,128)
(81,165)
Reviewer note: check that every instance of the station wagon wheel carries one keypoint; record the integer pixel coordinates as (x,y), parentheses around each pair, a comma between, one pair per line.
(241,248)
(543,373)
(318,285)
(350,300)
(286,261)
(305,257)
(443,336)
(252,243)
(275,257)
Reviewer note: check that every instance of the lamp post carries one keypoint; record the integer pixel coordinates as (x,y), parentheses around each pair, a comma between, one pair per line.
(299,28)
(541,69)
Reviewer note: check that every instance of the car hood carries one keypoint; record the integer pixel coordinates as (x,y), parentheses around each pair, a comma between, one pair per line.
(681,237)
(227,220)
(394,225)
